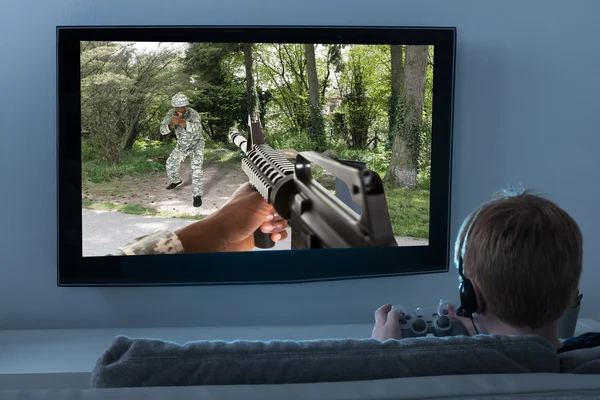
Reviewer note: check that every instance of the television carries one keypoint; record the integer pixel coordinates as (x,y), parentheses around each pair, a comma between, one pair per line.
(375,98)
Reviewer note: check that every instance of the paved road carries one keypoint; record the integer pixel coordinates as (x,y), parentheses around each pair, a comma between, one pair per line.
(104,231)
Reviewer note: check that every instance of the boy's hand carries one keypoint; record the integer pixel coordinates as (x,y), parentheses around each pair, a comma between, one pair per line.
(387,324)
(466,322)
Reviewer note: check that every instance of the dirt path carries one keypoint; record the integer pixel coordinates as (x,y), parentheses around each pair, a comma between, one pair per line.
(220,181)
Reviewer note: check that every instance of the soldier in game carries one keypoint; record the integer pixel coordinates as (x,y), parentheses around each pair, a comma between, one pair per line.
(185,122)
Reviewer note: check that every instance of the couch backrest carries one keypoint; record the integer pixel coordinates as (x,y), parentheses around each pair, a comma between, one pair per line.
(584,361)
(151,362)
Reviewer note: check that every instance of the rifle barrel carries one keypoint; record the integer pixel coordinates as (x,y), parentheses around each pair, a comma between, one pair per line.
(240,141)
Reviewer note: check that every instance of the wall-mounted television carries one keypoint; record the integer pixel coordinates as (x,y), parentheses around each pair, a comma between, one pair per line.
(375,102)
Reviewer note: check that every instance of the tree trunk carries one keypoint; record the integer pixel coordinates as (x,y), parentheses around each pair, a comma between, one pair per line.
(317,128)
(415,78)
(406,114)
(253,105)
(397,85)
(397,68)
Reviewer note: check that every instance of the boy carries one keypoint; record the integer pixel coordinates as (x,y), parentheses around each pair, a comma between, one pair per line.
(523,257)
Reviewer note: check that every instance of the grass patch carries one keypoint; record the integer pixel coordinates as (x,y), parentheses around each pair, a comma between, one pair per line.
(125,208)
(134,209)
(222,155)
(145,156)
(409,211)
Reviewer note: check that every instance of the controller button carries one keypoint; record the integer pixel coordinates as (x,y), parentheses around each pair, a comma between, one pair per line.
(445,312)
(407,317)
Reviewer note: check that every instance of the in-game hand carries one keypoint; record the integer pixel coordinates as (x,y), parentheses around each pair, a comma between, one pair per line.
(232,227)
(244,213)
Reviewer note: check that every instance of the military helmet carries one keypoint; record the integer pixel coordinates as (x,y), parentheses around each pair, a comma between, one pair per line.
(180,100)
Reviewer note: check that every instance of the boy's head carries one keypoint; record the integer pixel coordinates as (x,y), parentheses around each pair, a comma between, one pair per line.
(524,255)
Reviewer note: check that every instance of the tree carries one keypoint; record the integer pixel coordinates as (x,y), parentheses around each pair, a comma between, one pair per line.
(317,124)
(359,105)
(220,94)
(118,85)
(224,97)
(406,115)
(397,75)
(282,68)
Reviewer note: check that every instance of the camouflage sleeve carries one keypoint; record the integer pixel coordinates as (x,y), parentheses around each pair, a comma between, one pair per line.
(194,123)
(159,242)
(164,125)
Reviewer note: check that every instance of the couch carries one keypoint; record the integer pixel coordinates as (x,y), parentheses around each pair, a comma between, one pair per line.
(483,366)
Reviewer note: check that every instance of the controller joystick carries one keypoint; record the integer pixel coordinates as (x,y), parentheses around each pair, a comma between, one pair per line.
(443,322)
(419,327)
(429,320)
(442,326)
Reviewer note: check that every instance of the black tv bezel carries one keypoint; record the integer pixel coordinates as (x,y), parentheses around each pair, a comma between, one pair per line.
(287,266)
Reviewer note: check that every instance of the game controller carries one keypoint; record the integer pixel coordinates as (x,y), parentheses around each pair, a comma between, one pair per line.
(429,320)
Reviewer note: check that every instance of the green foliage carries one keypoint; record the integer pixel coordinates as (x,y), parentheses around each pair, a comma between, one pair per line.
(219,94)
(375,160)
(298,142)
(223,155)
(359,105)
(145,156)
(281,69)
(339,127)
(220,88)
(222,107)
(424,171)
(121,91)
(125,208)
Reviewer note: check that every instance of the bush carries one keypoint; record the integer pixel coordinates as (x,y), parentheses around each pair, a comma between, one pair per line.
(145,156)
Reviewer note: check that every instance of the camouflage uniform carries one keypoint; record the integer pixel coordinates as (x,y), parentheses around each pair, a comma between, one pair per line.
(190,142)
(159,242)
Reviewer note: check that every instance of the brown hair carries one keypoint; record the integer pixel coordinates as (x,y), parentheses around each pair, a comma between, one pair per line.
(525,254)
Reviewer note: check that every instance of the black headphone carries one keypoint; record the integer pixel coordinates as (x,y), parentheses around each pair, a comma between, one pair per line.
(468,299)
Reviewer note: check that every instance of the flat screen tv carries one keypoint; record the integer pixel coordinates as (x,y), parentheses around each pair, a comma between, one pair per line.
(361,116)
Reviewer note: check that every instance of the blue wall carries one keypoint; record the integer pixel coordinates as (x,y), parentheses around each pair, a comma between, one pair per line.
(527,111)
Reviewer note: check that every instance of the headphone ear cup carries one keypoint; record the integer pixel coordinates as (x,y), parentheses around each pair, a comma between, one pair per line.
(468,299)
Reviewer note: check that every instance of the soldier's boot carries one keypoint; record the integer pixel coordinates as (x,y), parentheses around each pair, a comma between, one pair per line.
(197,201)
(174,185)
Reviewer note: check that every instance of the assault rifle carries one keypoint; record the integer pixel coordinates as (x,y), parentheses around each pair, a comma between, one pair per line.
(317,219)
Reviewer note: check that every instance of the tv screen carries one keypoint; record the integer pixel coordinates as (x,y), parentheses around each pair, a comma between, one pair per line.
(345,130)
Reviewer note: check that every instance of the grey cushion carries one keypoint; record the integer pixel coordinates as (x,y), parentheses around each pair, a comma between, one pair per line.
(150,362)
(584,361)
